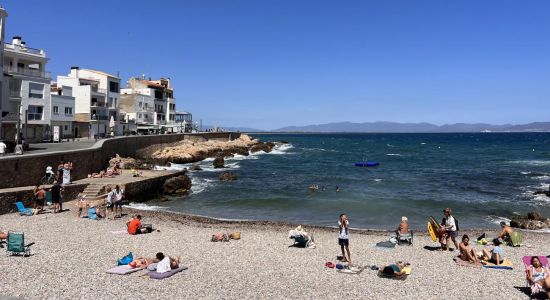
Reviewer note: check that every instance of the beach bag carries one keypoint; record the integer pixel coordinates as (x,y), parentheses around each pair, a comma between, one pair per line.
(235,235)
(220,237)
(515,239)
(456,224)
(126,259)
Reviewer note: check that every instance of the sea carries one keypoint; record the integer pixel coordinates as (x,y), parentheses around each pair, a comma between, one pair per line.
(483,177)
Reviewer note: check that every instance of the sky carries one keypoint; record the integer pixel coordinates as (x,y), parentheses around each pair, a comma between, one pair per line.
(271,63)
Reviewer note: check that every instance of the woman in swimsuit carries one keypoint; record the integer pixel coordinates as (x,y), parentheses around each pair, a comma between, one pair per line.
(538,277)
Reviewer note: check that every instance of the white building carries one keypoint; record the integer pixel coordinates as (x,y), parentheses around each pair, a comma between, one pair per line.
(184,121)
(150,103)
(28,91)
(62,109)
(3,91)
(97,96)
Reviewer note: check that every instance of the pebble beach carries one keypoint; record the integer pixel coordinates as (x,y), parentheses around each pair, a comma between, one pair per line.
(71,255)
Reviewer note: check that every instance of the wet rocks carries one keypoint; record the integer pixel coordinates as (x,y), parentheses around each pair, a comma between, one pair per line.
(532,221)
(195,167)
(177,185)
(218,162)
(227,176)
(265,147)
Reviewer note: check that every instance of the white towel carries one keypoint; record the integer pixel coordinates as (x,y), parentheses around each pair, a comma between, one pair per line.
(164,265)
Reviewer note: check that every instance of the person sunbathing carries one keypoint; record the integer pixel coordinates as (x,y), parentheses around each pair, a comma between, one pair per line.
(166,263)
(496,256)
(394,269)
(467,253)
(142,262)
(538,277)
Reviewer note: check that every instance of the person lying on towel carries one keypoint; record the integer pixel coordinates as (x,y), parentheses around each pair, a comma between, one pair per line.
(166,263)
(496,256)
(143,262)
(394,269)
(135,227)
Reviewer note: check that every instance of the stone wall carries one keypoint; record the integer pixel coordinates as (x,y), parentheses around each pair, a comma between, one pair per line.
(147,189)
(27,169)
(25,195)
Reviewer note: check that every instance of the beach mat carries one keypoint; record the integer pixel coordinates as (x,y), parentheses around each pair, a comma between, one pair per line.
(463,263)
(122,270)
(156,275)
(506,265)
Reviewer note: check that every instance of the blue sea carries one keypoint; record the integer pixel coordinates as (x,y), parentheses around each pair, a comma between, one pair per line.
(483,177)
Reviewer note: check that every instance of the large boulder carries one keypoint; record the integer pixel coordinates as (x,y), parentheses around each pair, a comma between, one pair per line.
(124,162)
(228,176)
(265,147)
(218,162)
(196,167)
(176,185)
(534,215)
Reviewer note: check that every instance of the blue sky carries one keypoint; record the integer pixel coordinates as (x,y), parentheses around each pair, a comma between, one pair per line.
(268,64)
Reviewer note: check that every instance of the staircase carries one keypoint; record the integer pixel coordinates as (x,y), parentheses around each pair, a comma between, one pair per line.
(95,192)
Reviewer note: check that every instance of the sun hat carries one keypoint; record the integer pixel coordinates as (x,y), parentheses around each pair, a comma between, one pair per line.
(404,219)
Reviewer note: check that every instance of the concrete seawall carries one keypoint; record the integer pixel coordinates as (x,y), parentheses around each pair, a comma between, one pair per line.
(27,169)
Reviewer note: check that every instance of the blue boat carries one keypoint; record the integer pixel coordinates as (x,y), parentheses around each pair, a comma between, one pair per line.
(366,164)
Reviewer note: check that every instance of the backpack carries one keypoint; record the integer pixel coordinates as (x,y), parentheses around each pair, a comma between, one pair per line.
(126,259)
(456,224)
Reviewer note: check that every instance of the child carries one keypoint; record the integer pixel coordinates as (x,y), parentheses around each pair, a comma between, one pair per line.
(343,238)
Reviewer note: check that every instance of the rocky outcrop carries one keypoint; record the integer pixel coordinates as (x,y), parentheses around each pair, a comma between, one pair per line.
(189,151)
(177,185)
(228,176)
(195,167)
(218,162)
(532,221)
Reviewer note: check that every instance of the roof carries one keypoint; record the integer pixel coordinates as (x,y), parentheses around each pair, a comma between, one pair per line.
(101,73)
(150,83)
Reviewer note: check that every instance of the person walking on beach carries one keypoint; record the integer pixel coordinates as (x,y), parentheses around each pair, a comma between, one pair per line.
(343,238)
(451,228)
(56,190)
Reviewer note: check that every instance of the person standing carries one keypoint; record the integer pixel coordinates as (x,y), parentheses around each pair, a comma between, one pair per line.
(3,148)
(39,197)
(451,228)
(343,238)
(56,190)
(118,195)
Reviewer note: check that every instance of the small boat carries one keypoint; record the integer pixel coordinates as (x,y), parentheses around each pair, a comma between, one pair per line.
(366,164)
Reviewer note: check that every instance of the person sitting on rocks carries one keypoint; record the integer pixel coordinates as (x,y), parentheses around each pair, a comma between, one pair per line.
(538,277)
(496,256)
(467,253)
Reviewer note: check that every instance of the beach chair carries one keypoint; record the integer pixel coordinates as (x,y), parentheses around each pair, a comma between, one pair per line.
(527,264)
(301,240)
(406,239)
(22,210)
(16,244)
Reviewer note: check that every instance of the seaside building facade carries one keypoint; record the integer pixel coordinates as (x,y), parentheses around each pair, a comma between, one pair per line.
(184,121)
(62,108)
(97,98)
(3,91)
(26,92)
(151,104)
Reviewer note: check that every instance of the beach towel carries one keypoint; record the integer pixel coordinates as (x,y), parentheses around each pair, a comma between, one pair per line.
(463,263)
(386,244)
(122,270)
(157,275)
(506,265)
(352,270)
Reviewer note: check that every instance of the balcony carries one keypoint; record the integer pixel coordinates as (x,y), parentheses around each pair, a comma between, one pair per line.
(99,90)
(27,72)
(10,117)
(100,117)
(15,94)
(24,49)
(98,104)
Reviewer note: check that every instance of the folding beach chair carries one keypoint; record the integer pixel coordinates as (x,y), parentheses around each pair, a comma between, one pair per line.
(405,238)
(49,201)
(22,210)
(301,240)
(527,264)
(16,244)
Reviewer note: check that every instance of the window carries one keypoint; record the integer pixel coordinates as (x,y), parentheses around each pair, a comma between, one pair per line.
(34,112)
(36,90)
(139,116)
(140,104)
(113,87)
(66,128)
(158,94)
(69,111)
(55,110)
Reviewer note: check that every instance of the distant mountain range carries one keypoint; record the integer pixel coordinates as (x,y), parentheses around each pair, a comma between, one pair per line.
(394,127)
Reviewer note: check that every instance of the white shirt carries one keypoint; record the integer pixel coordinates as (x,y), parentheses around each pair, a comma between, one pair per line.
(343,231)
(164,265)
(3,147)
(450,224)
(118,196)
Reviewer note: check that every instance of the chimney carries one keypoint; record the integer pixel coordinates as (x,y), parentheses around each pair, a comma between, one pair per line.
(16,40)
(74,71)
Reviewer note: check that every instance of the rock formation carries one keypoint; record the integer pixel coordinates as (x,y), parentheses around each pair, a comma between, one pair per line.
(219,162)
(532,221)
(196,167)
(228,176)
(177,185)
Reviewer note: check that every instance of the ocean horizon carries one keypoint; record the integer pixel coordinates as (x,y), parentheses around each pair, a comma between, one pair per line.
(484,177)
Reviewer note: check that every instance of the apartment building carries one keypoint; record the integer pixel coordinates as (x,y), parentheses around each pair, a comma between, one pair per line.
(97,99)
(62,108)
(150,103)
(28,92)
(184,121)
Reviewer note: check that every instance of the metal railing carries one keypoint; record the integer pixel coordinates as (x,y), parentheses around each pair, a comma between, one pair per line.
(24,49)
(27,72)
(15,94)
(100,117)
(99,90)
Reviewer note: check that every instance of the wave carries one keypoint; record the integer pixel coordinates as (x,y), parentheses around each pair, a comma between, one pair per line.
(199,185)
(242,157)
(377,179)
(497,219)
(394,154)
(143,206)
(531,162)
